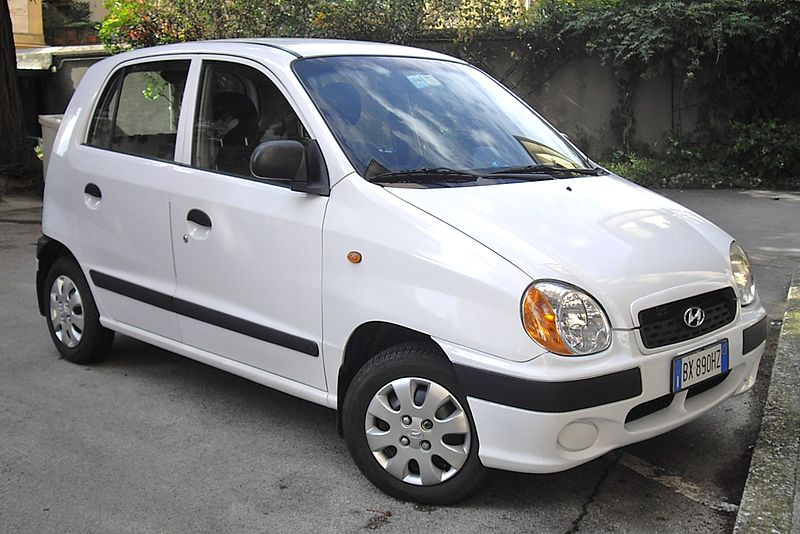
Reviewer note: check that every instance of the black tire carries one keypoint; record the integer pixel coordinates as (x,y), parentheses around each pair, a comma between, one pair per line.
(399,363)
(86,344)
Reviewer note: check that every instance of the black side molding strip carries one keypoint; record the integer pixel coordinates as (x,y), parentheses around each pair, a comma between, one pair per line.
(754,335)
(248,328)
(133,291)
(206,315)
(550,397)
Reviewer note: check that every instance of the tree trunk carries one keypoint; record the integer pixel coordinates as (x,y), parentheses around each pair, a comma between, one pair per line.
(18,161)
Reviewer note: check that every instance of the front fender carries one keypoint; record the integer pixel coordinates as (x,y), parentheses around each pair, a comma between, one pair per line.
(417,272)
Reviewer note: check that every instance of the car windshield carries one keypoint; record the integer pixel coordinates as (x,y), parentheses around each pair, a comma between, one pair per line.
(435,118)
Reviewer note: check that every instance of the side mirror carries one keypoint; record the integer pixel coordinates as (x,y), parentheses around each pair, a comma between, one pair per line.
(301,164)
(279,160)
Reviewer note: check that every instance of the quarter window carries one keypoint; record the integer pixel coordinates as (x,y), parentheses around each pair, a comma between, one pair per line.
(138,113)
(239,108)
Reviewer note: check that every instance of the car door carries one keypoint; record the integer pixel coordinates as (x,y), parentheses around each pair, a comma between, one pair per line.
(122,175)
(247,251)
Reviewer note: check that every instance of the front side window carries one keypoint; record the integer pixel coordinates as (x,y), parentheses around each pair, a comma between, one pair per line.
(396,114)
(139,110)
(238,109)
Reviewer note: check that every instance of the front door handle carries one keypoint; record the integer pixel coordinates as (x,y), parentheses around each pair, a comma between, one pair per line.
(199,217)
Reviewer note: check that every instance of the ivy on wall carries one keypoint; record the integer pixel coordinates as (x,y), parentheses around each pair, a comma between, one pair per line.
(747,50)
(742,55)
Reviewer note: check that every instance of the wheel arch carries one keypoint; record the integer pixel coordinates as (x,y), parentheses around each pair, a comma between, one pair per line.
(48,250)
(367,341)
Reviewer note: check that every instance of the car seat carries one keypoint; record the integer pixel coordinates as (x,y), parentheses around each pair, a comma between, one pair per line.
(239,141)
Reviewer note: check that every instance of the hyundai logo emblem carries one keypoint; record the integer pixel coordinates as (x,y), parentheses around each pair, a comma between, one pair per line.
(694,317)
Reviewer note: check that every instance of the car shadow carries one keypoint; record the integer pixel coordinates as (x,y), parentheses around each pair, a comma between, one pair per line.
(222,393)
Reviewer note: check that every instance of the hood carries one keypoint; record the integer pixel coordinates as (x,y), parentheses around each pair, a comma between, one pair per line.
(627,246)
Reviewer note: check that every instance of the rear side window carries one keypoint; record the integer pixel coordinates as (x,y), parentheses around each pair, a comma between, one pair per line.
(139,110)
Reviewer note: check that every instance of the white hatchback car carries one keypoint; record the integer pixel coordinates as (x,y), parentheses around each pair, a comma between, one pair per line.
(391,233)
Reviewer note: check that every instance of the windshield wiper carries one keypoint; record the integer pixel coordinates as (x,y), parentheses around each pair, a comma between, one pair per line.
(548,169)
(439,174)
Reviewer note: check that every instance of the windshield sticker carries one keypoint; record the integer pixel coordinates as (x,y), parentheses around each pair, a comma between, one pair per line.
(421,81)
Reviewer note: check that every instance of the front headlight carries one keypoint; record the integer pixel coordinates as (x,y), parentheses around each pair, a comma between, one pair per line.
(564,320)
(742,274)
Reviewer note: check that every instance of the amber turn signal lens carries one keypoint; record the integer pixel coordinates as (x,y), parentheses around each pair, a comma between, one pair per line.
(539,319)
(354,257)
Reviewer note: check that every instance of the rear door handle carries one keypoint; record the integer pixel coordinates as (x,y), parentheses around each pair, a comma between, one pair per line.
(93,191)
(199,217)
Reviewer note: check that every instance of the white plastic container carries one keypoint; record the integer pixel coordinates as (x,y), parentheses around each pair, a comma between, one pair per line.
(49,124)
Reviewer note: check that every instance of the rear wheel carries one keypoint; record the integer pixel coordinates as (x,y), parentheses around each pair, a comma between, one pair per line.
(72,316)
(409,428)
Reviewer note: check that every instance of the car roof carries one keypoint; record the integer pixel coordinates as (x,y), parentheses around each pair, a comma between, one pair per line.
(293,48)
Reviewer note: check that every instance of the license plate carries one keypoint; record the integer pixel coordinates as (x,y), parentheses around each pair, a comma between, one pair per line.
(693,368)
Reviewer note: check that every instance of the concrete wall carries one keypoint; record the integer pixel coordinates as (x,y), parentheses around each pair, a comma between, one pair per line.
(577,99)
(580,97)
(62,84)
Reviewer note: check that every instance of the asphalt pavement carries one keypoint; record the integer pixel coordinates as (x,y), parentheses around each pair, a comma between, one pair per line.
(148,441)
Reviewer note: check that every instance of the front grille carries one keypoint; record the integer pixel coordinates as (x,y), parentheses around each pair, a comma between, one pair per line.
(658,404)
(663,325)
(649,407)
(705,385)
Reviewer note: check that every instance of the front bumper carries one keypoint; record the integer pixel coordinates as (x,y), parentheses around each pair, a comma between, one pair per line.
(543,416)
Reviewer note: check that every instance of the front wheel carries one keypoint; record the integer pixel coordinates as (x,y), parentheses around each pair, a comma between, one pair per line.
(409,428)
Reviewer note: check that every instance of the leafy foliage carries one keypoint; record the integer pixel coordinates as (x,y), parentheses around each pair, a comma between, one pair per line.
(684,168)
(743,56)
(140,23)
(394,21)
(766,149)
(760,154)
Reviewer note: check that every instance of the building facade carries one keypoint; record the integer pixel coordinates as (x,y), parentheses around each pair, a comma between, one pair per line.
(26,19)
